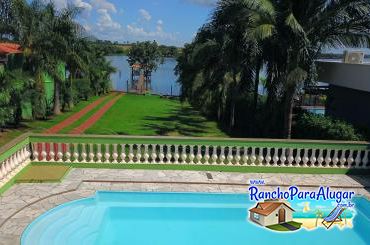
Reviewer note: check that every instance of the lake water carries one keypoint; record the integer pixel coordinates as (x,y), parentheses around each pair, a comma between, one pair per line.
(163,79)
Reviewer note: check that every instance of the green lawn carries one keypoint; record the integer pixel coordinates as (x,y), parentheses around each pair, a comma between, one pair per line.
(152,115)
(41,125)
(77,123)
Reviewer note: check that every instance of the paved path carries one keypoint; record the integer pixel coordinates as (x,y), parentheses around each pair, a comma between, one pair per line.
(94,118)
(22,203)
(75,117)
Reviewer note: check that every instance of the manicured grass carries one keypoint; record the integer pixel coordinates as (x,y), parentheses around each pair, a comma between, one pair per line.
(85,117)
(43,174)
(152,115)
(41,125)
(217,168)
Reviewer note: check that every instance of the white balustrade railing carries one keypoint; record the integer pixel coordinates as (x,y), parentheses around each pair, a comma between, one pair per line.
(200,155)
(14,163)
(273,154)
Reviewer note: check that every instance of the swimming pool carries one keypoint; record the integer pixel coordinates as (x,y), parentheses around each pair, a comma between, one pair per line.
(136,218)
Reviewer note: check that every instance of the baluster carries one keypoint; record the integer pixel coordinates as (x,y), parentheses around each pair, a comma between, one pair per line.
(313,157)
(91,153)
(342,159)
(184,156)
(275,158)
(75,153)
(13,162)
(358,159)
(99,154)
(245,157)
(298,157)
(253,157)
(176,156)
(154,153)
(335,159)
(268,157)
(2,172)
(43,152)
(222,155)
(160,155)
(106,153)
(191,155)
(68,153)
(305,158)
(83,153)
(283,156)
(350,159)
(131,154)
(328,158)
(52,152)
(35,153)
(169,153)
(237,156)
(229,156)
(320,159)
(59,152)
(214,155)
(290,157)
(199,155)
(115,153)
(138,153)
(146,154)
(260,157)
(123,153)
(365,160)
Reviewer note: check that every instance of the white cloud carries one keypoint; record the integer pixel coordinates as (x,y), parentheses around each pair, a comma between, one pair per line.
(104,4)
(106,21)
(59,4)
(145,15)
(142,34)
(160,22)
(81,4)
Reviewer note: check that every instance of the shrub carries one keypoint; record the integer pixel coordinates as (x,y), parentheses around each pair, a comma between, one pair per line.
(82,90)
(311,126)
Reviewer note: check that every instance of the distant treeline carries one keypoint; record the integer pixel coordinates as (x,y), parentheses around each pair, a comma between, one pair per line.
(115,48)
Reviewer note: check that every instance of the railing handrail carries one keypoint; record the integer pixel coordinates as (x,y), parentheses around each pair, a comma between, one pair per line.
(198,138)
(11,146)
(65,138)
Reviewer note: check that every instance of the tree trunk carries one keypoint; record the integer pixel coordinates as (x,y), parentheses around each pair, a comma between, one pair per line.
(232,103)
(56,109)
(256,85)
(288,114)
(70,102)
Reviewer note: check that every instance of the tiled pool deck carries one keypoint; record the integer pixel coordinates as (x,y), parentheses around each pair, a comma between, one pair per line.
(24,202)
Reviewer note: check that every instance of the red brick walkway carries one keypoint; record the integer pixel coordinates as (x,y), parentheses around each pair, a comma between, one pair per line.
(56,128)
(94,118)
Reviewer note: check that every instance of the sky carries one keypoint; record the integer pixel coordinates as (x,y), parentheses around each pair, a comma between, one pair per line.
(169,22)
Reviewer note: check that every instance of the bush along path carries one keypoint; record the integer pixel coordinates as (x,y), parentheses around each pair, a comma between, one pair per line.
(96,116)
(75,117)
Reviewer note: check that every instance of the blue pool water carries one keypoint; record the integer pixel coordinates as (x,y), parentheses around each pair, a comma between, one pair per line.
(178,219)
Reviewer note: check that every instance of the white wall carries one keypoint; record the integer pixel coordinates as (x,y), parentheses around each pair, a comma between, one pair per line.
(355,76)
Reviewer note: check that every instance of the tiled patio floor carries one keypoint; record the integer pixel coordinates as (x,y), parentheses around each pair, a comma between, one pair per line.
(24,202)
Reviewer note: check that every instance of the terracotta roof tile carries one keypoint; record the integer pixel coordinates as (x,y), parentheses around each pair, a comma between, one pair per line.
(266,208)
(10,48)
